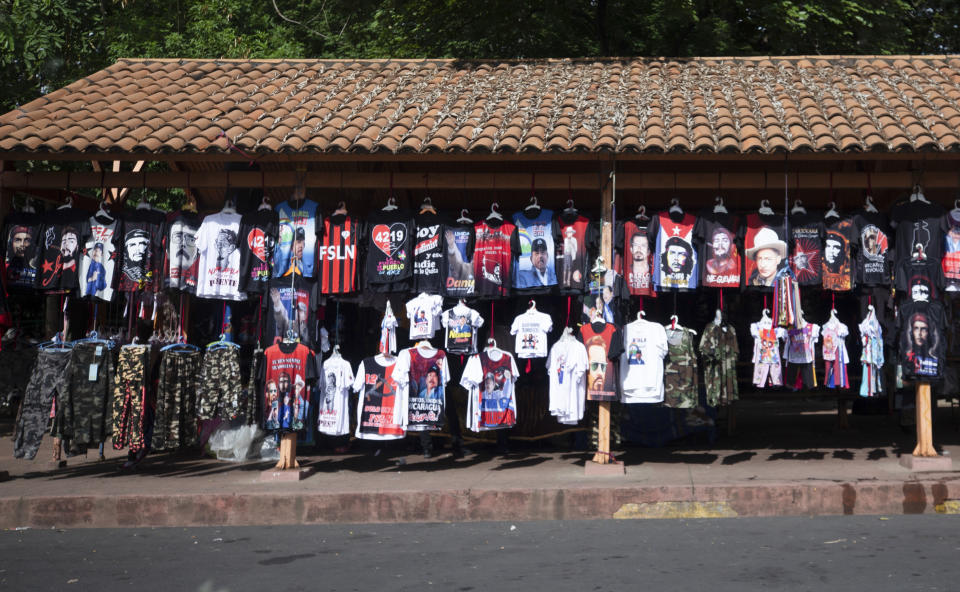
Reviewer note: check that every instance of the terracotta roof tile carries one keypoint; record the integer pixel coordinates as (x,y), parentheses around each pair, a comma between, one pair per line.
(843,103)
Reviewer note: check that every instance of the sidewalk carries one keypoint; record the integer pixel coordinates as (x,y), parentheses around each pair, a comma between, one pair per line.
(787,458)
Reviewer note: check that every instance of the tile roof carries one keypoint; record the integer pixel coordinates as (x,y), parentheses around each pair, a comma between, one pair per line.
(701,105)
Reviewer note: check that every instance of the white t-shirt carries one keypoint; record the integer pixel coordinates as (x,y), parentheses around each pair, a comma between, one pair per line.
(423,405)
(531,329)
(461,323)
(378,418)
(219,268)
(834,335)
(424,314)
(567,366)
(336,377)
(641,363)
(799,347)
(491,397)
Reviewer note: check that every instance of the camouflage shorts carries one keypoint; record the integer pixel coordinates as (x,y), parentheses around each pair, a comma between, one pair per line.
(218,393)
(129,397)
(46,381)
(82,408)
(176,420)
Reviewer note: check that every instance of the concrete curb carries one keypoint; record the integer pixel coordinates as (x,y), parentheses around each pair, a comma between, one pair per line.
(276,508)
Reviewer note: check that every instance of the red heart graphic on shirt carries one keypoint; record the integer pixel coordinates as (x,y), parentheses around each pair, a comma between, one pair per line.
(256,240)
(389,238)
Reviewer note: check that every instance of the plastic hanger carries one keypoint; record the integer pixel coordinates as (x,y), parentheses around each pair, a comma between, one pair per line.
(464,219)
(391,204)
(718,319)
(641,215)
(675,206)
(427,206)
(142,204)
(641,315)
(67,205)
(494,212)
(532,305)
(491,345)
(570,209)
(766,315)
(868,205)
(222,342)
(797,207)
(918,195)
(28,207)
(719,208)
(264,203)
(180,344)
(956,208)
(765,208)
(341,209)
(191,203)
(228,206)
(335,354)
(832,212)
(533,205)
(567,334)
(103,213)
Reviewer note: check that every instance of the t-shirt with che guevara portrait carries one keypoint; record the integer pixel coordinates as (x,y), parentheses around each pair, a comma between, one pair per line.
(142,250)
(258,237)
(806,247)
(837,254)
(922,343)
(719,254)
(389,247)
(675,264)
(22,239)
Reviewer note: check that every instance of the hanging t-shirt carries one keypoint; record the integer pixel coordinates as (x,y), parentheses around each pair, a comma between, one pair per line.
(457,263)
(181,259)
(923,343)
(294,252)
(287,375)
(920,230)
(338,254)
(333,413)
(22,234)
(377,417)
(63,234)
(492,256)
(764,248)
(920,280)
(806,247)
(720,256)
(567,367)
(389,248)
(837,255)
(576,239)
(607,299)
(531,329)
(951,252)
(428,253)
(641,363)
(461,324)
(219,248)
(633,243)
(143,232)
(258,239)
(800,347)
(874,257)
(422,377)
(675,263)
(290,302)
(604,345)
(534,270)
(99,258)
(424,314)
(489,378)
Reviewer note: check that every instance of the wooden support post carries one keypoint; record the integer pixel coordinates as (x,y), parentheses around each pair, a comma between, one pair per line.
(288,452)
(606,251)
(924,422)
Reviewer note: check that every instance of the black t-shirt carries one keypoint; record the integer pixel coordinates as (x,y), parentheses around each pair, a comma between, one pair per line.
(919,280)
(22,238)
(181,258)
(764,249)
(258,236)
(457,263)
(920,230)
(428,253)
(610,298)
(923,342)
(64,232)
(720,255)
(389,251)
(874,258)
(142,251)
(837,254)
(577,238)
(806,247)
(291,304)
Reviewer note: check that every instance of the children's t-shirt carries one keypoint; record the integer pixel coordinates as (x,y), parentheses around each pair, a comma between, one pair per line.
(461,323)
(531,329)
(333,415)
(641,363)
(799,348)
(566,367)
(424,314)
(219,266)
(604,345)
(766,340)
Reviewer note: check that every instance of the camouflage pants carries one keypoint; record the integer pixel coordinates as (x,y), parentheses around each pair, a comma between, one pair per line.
(176,423)
(82,407)
(249,406)
(46,381)
(130,397)
(218,394)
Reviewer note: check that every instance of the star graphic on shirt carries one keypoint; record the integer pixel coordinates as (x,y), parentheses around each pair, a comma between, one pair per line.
(48,267)
(801,259)
(677,230)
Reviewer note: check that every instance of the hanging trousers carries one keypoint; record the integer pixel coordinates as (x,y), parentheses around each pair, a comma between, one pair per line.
(47,380)
(130,397)
(176,422)
(218,394)
(81,419)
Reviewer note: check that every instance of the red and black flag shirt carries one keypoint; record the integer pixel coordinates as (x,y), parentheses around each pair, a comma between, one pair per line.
(492,257)
(376,417)
(63,234)
(22,238)
(338,254)
(258,239)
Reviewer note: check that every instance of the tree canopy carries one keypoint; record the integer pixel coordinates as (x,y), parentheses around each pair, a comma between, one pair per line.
(46,44)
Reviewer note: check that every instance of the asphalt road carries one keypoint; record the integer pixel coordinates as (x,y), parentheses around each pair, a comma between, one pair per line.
(846,553)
